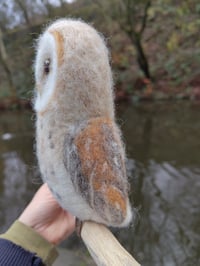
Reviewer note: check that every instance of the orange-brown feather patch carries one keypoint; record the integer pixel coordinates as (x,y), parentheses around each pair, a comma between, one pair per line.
(90,143)
(59,43)
(115,197)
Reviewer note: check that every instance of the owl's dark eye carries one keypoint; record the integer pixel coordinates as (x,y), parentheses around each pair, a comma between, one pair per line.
(47,66)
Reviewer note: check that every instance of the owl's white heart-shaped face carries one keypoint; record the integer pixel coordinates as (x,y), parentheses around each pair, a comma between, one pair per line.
(45,70)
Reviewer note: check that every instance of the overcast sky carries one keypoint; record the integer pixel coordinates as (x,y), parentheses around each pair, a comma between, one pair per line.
(7,9)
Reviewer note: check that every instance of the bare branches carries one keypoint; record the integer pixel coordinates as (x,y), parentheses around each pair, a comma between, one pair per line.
(145,16)
(132,18)
(24,9)
(6,66)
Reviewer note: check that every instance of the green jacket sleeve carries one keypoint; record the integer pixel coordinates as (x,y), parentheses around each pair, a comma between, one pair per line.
(27,238)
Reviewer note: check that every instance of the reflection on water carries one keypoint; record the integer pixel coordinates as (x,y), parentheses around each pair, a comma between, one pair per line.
(17,165)
(167,233)
(164,166)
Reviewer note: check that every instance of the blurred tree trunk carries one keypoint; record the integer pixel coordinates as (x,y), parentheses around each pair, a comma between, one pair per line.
(49,8)
(141,57)
(2,26)
(135,32)
(131,16)
(6,66)
(24,8)
(62,3)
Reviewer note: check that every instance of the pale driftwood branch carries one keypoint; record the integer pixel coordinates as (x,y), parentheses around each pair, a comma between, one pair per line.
(104,247)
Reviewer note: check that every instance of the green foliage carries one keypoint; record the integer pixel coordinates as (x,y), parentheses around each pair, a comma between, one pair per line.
(197,8)
(173,42)
(4,92)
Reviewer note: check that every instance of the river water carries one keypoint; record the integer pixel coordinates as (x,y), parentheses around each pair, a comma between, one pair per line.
(163,149)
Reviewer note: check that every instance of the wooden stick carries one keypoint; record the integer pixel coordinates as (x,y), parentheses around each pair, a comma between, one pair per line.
(104,247)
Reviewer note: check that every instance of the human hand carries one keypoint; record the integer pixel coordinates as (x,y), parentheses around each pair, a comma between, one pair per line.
(46,217)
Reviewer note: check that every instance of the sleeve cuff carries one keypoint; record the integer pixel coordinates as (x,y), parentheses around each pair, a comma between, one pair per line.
(27,238)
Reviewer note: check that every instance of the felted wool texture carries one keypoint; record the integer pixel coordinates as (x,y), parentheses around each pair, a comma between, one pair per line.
(50,145)
(81,70)
(95,161)
(77,90)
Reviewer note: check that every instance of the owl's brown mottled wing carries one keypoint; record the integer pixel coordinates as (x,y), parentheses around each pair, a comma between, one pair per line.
(99,172)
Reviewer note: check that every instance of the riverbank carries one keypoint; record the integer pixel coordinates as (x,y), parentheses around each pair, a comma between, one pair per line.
(173,54)
(146,94)
(15,104)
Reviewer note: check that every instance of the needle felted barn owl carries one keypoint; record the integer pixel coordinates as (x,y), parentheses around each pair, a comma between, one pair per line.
(79,148)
